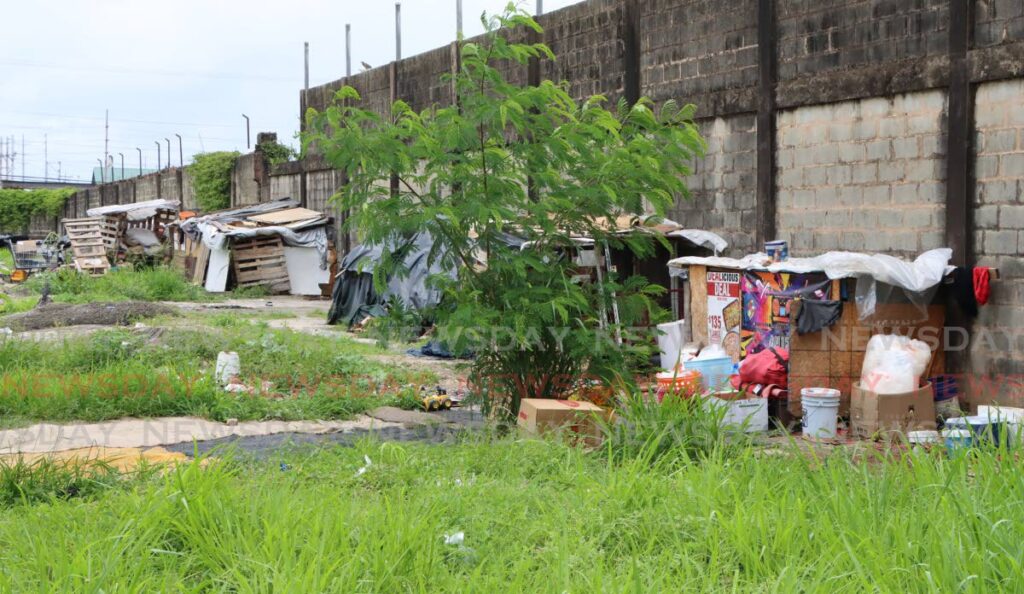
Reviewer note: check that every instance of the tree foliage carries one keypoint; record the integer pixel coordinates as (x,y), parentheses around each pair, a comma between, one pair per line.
(532,162)
(17,207)
(275,152)
(211,179)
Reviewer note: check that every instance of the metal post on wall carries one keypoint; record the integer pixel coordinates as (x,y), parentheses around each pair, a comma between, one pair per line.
(103,174)
(140,160)
(122,166)
(348,49)
(248,144)
(398,30)
(540,7)
(168,152)
(181,153)
(458,19)
(157,143)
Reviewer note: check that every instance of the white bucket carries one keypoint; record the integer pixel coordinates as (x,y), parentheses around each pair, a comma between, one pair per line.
(923,437)
(228,366)
(821,412)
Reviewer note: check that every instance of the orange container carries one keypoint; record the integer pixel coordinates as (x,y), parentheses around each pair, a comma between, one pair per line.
(682,382)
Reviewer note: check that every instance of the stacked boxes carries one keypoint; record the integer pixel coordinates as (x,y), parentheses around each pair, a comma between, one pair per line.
(833,358)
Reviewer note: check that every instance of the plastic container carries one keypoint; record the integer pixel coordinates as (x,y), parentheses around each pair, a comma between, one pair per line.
(750,413)
(228,366)
(714,372)
(777,250)
(925,437)
(684,382)
(671,338)
(958,441)
(821,412)
(947,401)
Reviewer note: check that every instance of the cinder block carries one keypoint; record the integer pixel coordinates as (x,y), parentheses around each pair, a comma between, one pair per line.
(1001,242)
(864,173)
(839,175)
(878,150)
(892,128)
(1012,165)
(876,194)
(986,217)
(986,166)
(998,141)
(906,148)
(891,171)
(810,363)
(917,218)
(926,170)
(852,153)
(1011,216)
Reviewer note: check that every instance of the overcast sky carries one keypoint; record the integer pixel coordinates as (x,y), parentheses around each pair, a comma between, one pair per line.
(190,67)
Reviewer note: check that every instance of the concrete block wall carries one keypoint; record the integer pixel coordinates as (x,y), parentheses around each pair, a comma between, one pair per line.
(864,175)
(999,223)
(998,21)
(700,51)
(585,39)
(820,35)
(723,186)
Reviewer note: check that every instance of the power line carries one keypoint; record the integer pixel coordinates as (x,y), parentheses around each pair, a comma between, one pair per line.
(116,120)
(134,72)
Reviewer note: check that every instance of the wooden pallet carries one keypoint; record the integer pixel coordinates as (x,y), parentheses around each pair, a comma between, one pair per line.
(260,261)
(90,239)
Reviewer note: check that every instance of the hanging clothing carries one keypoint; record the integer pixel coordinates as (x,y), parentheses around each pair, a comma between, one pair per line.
(982,277)
(815,316)
(963,291)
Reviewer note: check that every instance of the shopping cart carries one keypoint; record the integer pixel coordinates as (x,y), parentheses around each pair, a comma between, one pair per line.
(32,255)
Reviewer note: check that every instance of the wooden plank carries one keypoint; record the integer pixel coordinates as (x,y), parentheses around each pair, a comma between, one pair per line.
(202,258)
(289,215)
(699,304)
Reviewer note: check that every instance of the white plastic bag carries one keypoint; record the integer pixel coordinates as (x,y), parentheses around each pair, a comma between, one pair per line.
(894,364)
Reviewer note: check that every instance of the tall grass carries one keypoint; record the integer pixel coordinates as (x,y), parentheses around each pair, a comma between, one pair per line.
(144,284)
(537,517)
(117,373)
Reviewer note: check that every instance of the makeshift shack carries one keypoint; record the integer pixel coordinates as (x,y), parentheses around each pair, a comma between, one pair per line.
(119,232)
(839,300)
(278,245)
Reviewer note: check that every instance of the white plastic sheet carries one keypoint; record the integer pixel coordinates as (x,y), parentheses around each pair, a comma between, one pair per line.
(918,279)
(713,241)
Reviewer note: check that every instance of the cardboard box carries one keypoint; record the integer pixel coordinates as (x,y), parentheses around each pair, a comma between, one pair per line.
(544,415)
(871,413)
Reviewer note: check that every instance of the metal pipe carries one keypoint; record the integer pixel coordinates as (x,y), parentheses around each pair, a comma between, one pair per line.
(157,142)
(122,166)
(540,7)
(398,30)
(140,160)
(181,153)
(248,145)
(103,174)
(348,49)
(168,152)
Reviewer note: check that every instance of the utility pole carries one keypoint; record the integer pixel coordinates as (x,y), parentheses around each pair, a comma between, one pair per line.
(58,170)
(348,49)
(181,153)
(248,144)
(22,157)
(46,161)
(140,160)
(157,143)
(398,31)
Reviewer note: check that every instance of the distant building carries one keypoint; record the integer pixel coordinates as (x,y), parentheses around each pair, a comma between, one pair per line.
(114,174)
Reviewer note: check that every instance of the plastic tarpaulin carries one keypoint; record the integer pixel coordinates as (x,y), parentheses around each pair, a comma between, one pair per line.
(713,241)
(354,294)
(918,278)
(136,211)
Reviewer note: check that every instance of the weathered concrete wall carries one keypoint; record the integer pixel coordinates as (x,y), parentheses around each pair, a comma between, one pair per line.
(723,185)
(863,175)
(998,22)
(999,221)
(700,51)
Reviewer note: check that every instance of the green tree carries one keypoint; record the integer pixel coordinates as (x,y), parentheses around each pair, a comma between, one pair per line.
(508,159)
(211,179)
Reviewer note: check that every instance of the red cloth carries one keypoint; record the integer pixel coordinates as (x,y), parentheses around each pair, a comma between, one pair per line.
(767,367)
(982,277)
